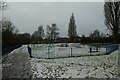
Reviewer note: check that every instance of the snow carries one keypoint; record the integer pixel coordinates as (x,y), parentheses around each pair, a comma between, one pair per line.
(17,64)
(104,66)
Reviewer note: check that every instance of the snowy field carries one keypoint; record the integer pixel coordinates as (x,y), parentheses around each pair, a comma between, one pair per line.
(56,51)
(104,66)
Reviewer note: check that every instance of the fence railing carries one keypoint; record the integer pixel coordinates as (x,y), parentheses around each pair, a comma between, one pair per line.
(111,48)
(8,50)
(63,52)
(42,51)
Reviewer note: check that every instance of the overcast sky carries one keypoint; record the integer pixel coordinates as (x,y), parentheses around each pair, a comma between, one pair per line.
(28,16)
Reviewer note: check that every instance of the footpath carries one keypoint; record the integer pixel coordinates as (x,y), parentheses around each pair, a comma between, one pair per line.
(17,65)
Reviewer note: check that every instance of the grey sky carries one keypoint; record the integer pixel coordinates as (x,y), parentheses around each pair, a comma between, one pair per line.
(27,16)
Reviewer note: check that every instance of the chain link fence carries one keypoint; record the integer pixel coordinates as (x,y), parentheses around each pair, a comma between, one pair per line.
(46,51)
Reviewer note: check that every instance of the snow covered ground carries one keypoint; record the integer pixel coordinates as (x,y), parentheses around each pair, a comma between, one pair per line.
(16,64)
(104,66)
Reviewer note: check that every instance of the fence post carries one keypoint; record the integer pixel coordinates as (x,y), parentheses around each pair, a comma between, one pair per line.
(90,50)
(106,49)
(71,52)
(96,48)
(48,52)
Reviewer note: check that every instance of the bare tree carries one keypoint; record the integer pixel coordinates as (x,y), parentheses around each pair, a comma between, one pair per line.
(52,32)
(95,34)
(3,5)
(48,32)
(112,17)
(8,27)
(9,33)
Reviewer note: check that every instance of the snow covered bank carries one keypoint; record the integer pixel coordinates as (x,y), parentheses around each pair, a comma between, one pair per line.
(105,66)
(17,64)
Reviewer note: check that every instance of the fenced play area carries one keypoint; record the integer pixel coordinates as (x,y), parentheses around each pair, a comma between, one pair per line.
(66,50)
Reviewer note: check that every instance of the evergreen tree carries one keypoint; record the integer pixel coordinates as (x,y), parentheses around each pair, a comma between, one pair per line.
(38,35)
(72,33)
